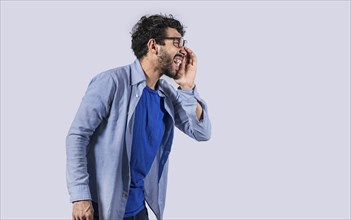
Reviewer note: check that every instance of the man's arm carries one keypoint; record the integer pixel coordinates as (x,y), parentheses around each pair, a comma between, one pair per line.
(187,74)
(191,115)
(94,107)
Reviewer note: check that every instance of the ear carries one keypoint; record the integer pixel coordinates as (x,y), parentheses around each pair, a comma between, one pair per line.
(152,46)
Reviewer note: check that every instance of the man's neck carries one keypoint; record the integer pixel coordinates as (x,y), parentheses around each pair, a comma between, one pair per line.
(152,73)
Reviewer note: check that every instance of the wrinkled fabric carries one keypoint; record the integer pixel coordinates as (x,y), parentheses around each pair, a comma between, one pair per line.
(98,144)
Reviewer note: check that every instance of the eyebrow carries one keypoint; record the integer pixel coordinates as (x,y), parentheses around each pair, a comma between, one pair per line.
(174,37)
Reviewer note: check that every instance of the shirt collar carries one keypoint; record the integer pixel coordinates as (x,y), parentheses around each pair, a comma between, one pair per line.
(137,73)
(161,87)
(137,76)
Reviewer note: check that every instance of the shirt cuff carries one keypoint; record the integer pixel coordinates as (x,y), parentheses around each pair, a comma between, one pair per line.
(78,193)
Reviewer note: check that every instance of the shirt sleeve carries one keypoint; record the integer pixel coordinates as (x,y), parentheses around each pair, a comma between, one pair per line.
(185,115)
(94,107)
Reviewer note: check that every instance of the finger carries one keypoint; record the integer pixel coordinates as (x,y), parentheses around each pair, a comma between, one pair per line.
(89,216)
(183,64)
(82,216)
(75,215)
(79,215)
(188,52)
(191,55)
(194,58)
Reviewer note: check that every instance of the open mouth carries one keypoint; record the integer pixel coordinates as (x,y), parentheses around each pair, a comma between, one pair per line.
(178,58)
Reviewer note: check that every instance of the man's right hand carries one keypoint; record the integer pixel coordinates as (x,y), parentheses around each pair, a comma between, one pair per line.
(83,210)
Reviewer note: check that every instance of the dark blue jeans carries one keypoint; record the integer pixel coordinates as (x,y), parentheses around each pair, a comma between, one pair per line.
(142,215)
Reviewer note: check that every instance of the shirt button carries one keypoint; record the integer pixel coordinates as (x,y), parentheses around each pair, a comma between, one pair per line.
(125,194)
(137,95)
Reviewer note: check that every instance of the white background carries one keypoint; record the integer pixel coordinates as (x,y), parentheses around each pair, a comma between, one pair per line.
(275,74)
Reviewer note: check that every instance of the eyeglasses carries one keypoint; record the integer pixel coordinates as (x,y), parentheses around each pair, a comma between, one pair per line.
(177,41)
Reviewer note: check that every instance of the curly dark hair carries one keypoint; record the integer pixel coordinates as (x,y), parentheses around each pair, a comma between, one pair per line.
(152,27)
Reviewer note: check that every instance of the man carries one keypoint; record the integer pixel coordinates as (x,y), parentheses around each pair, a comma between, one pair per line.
(119,142)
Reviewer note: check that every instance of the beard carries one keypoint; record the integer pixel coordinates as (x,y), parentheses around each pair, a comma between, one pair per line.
(166,64)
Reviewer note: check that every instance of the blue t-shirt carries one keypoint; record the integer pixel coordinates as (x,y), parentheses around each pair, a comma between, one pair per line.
(149,128)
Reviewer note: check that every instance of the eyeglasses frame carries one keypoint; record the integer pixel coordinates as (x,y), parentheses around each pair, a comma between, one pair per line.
(180,39)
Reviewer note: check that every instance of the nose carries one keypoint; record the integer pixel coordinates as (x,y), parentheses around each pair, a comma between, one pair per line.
(183,52)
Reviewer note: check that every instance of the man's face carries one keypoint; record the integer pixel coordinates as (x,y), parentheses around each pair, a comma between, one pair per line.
(170,57)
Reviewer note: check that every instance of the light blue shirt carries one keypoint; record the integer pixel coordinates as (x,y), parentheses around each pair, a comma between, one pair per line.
(98,144)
